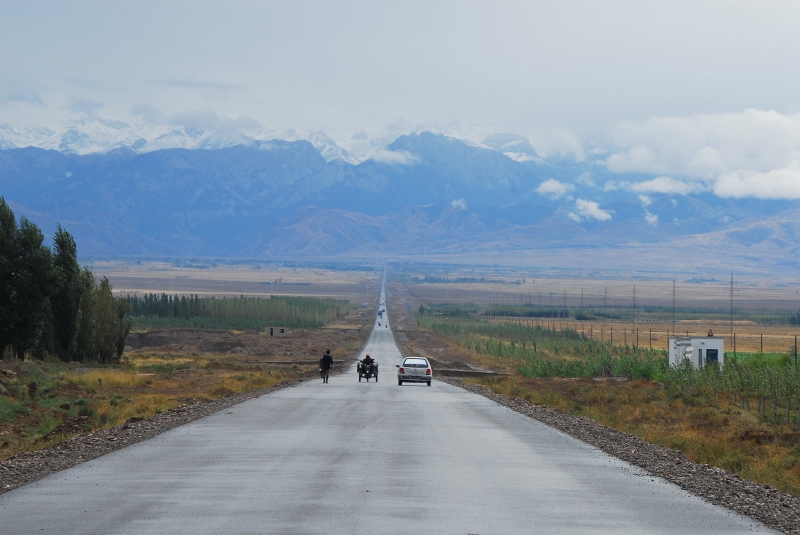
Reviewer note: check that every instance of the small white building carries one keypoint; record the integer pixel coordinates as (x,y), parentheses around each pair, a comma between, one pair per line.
(276,331)
(699,350)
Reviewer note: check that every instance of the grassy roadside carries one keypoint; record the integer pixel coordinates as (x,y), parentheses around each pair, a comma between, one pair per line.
(705,429)
(696,419)
(46,402)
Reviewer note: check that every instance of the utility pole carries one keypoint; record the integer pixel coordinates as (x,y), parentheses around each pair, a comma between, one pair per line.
(633,310)
(731,304)
(673,307)
(605,301)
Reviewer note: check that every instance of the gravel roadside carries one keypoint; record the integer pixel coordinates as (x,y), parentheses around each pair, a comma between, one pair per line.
(32,466)
(766,504)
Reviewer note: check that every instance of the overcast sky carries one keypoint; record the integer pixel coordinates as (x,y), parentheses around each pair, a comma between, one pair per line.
(655,83)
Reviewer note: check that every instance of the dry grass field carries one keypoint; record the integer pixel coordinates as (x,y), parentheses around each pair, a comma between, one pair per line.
(43,403)
(701,305)
(177,366)
(516,288)
(245,279)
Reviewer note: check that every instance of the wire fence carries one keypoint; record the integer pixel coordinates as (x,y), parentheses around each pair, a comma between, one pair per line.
(658,338)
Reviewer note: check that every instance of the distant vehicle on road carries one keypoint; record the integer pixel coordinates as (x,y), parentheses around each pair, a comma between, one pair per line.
(414,370)
(367,369)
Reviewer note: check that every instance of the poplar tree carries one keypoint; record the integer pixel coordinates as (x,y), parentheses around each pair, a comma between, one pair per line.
(66,299)
(8,231)
(30,288)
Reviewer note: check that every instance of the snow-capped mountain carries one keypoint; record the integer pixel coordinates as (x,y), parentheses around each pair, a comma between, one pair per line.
(89,135)
(515,146)
(427,194)
(324,144)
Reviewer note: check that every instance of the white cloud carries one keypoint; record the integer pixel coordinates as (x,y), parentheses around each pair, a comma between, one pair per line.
(554,189)
(560,143)
(645,200)
(703,146)
(585,179)
(21,93)
(650,219)
(661,184)
(460,204)
(664,184)
(209,120)
(148,113)
(754,153)
(86,106)
(781,183)
(396,157)
(588,210)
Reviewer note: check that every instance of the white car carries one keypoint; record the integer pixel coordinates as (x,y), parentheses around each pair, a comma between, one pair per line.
(414,370)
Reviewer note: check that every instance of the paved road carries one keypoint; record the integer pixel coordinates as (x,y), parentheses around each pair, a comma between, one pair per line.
(350,457)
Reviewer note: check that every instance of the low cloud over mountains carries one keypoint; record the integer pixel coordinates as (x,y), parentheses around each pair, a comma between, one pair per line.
(426,195)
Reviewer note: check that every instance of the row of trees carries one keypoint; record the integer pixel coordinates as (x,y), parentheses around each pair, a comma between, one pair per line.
(49,305)
(276,310)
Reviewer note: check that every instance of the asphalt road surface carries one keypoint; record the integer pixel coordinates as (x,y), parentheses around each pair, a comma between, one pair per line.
(350,457)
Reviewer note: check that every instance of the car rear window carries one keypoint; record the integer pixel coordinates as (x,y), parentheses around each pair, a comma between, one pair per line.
(415,363)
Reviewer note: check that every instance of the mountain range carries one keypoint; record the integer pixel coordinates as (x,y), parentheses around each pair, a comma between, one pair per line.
(428,196)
